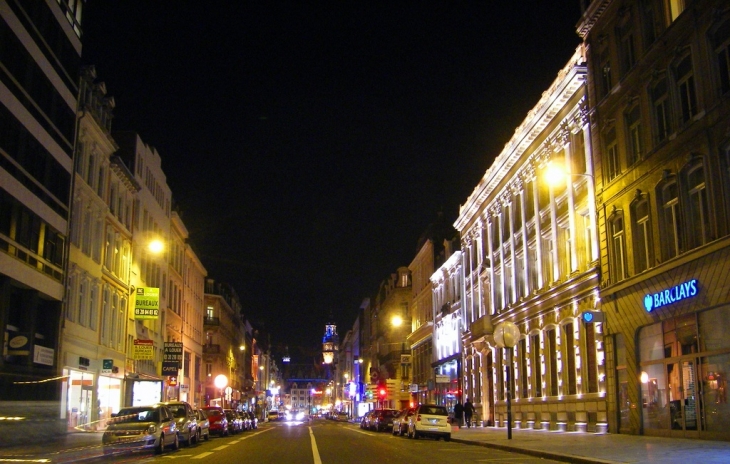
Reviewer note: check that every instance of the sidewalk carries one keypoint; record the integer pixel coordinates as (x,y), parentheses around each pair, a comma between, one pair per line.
(71,447)
(577,447)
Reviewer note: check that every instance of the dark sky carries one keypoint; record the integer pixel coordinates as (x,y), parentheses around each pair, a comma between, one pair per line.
(308,145)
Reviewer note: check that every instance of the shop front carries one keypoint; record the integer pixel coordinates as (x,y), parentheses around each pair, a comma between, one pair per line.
(676,383)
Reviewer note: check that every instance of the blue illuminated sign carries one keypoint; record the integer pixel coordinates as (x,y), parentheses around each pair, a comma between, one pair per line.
(672,295)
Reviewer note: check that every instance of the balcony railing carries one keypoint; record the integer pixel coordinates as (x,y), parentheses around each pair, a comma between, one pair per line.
(209,320)
(211,349)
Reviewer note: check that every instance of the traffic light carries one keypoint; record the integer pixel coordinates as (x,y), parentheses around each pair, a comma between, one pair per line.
(591,317)
(382,393)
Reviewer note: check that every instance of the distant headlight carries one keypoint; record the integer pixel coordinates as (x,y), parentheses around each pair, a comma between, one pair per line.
(288,416)
(300,416)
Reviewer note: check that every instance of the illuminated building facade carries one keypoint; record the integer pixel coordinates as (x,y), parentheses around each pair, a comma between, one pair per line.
(447,285)
(100,257)
(41,48)
(660,91)
(530,256)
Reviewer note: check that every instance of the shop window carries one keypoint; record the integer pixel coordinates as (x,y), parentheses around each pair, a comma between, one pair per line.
(641,232)
(721,43)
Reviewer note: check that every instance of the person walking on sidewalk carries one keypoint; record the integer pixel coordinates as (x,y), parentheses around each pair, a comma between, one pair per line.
(468,411)
(458,413)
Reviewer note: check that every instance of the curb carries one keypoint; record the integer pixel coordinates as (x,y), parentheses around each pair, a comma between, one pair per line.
(536,453)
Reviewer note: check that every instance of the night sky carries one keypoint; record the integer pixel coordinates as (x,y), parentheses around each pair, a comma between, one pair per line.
(308,145)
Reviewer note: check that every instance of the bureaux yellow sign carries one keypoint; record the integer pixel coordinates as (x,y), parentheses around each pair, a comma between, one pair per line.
(147,303)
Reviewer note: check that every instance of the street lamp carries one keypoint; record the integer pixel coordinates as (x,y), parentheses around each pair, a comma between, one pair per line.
(506,335)
(221,382)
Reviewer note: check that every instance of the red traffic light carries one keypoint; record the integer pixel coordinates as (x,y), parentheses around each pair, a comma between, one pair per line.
(382,392)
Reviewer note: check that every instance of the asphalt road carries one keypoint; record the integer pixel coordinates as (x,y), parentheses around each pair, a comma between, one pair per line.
(328,442)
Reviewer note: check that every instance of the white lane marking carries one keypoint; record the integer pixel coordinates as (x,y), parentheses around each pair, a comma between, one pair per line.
(315,452)
(202,455)
(370,434)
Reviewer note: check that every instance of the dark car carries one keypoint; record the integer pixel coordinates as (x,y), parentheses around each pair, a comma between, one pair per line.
(365,419)
(382,419)
(254,420)
(218,422)
(235,424)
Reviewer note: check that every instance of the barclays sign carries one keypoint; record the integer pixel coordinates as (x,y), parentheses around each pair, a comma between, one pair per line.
(672,295)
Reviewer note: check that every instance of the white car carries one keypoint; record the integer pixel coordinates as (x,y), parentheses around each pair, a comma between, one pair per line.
(429,420)
(141,428)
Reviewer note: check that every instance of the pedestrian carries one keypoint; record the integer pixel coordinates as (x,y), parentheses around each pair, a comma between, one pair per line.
(458,413)
(468,411)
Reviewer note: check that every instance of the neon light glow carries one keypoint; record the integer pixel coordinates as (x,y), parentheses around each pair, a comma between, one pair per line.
(672,295)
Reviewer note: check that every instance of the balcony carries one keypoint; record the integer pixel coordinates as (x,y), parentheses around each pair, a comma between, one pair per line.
(209,321)
(211,349)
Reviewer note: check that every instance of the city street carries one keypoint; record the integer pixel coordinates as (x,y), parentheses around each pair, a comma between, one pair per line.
(329,442)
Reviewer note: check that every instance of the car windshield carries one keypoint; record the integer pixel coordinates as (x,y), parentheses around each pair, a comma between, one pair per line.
(137,415)
(178,411)
(434,410)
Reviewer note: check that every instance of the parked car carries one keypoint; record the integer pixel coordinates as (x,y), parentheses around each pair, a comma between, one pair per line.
(187,422)
(429,420)
(141,428)
(217,419)
(365,419)
(272,415)
(235,424)
(400,421)
(245,420)
(203,425)
(254,419)
(382,419)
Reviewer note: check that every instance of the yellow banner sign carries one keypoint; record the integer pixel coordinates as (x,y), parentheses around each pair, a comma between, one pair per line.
(144,350)
(147,303)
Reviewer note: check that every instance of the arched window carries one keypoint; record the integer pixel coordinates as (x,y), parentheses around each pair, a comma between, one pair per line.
(669,214)
(617,248)
(698,213)
(641,233)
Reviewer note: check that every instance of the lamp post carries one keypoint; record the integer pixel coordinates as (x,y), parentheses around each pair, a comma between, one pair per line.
(506,335)
(221,382)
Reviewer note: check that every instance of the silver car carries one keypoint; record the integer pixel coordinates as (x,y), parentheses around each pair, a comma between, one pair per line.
(187,421)
(203,425)
(141,428)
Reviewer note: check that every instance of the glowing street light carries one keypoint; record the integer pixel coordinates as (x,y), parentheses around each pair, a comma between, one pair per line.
(156,246)
(396,321)
(221,382)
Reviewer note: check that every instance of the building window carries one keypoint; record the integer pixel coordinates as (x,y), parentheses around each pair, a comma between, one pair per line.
(535,366)
(604,71)
(522,359)
(552,367)
(569,366)
(618,247)
(634,147)
(662,111)
(699,216)
(675,8)
(669,229)
(612,164)
(590,359)
(626,47)
(721,42)
(686,89)
(649,22)
(641,232)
